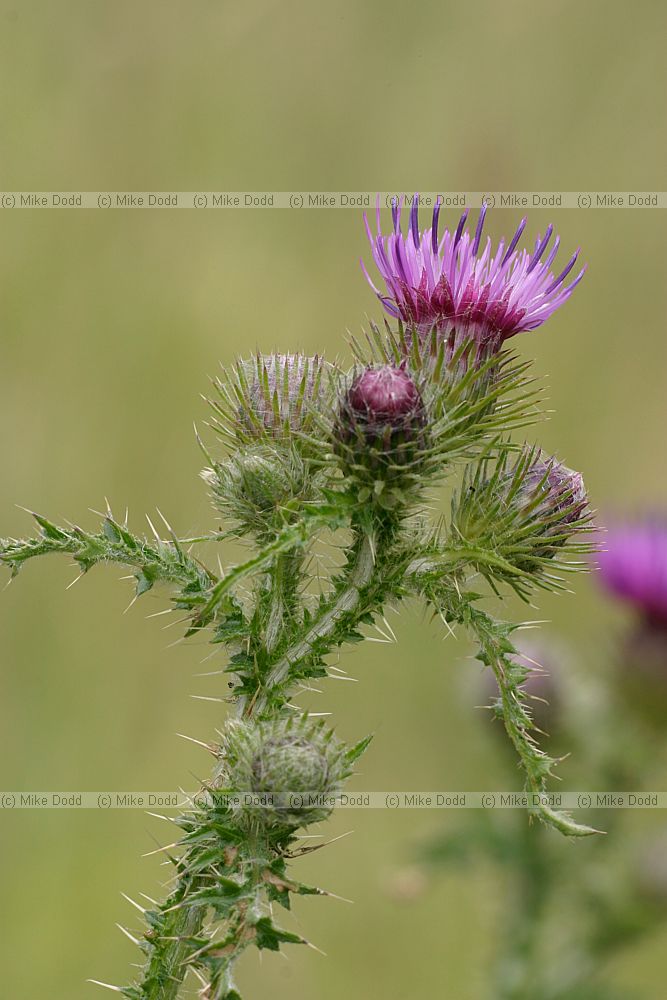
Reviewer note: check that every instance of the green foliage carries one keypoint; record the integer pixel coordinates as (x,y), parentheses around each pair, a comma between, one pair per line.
(263,487)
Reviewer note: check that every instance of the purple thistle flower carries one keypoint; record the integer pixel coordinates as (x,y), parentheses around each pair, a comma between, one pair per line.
(447,283)
(633,567)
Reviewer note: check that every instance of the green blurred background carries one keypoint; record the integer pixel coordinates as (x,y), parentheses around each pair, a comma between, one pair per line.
(110,324)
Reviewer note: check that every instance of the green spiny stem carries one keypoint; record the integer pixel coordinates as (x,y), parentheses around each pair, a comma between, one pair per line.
(520,974)
(241,930)
(291,537)
(496,652)
(244,921)
(184,941)
(353,597)
(226,876)
(282,581)
(170,946)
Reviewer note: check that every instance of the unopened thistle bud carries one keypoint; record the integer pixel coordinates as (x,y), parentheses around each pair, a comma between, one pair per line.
(380,429)
(383,395)
(254,486)
(271,397)
(285,771)
(523,514)
(548,497)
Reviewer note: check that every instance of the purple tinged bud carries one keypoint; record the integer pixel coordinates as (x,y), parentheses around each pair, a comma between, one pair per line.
(380,428)
(383,394)
(280,389)
(547,504)
(555,492)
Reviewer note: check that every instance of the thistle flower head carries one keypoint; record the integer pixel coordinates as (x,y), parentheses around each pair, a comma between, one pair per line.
(453,283)
(270,397)
(633,567)
(547,502)
(291,764)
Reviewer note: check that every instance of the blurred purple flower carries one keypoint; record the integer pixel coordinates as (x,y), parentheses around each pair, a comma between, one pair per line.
(447,283)
(633,566)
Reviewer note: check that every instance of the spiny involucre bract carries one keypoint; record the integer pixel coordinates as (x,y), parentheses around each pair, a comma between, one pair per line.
(309,448)
(282,772)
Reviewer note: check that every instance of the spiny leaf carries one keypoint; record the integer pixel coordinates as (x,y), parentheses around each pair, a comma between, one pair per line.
(355,752)
(270,937)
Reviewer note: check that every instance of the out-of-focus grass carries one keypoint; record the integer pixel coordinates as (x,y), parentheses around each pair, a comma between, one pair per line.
(111,322)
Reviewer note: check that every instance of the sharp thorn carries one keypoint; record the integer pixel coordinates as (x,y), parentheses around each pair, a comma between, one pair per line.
(137,905)
(127,934)
(200,743)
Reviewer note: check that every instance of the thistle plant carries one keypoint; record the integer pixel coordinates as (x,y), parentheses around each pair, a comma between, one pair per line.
(303,447)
